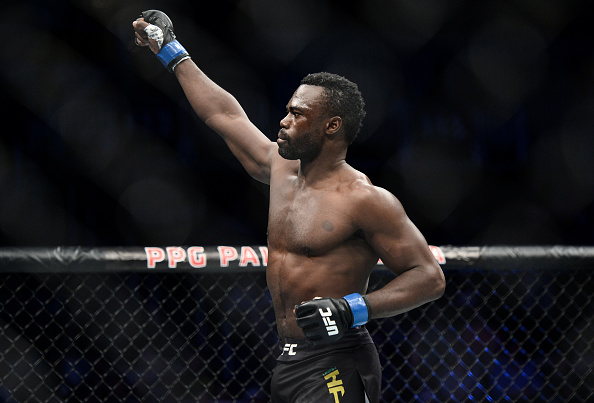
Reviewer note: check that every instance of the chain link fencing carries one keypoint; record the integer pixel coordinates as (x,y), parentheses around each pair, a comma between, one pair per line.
(185,336)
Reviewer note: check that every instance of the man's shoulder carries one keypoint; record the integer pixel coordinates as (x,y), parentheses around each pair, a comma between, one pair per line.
(367,198)
(368,193)
(361,186)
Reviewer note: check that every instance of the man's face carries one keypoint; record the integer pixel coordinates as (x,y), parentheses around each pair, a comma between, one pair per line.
(302,130)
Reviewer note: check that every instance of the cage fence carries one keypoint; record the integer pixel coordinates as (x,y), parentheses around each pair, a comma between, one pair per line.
(88,333)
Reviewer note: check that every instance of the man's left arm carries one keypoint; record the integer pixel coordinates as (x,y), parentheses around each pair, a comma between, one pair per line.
(404,251)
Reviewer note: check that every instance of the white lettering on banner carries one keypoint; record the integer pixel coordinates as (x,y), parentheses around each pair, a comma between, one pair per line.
(227,254)
(248,255)
(175,255)
(196,256)
(154,256)
(264,253)
(438,253)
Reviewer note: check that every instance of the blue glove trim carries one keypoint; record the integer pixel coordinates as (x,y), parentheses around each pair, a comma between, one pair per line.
(169,52)
(359,309)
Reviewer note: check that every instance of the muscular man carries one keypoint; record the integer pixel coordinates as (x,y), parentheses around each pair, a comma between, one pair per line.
(328,226)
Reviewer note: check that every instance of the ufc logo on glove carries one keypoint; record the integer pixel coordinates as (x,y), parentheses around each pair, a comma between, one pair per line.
(325,320)
(331,327)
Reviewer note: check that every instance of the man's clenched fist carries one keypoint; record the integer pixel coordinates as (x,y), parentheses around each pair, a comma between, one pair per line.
(155,29)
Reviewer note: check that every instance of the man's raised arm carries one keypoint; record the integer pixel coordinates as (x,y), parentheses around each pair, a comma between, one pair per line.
(215,106)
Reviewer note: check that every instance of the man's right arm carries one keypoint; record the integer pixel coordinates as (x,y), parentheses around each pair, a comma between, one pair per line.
(222,113)
(219,110)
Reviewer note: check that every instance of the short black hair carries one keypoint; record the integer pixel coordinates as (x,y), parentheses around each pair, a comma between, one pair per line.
(342,98)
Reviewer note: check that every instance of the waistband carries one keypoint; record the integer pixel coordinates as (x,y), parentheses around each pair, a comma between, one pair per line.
(300,349)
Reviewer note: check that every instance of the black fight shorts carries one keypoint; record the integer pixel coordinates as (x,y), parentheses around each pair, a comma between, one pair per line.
(347,371)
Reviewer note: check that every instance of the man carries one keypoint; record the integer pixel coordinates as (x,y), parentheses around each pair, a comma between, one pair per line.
(328,226)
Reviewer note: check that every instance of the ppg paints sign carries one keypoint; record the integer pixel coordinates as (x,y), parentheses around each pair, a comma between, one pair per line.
(223,256)
(198,257)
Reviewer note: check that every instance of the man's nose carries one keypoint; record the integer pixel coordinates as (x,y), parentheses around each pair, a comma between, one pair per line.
(284,121)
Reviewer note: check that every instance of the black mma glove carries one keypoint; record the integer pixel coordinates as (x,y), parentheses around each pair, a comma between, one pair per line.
(160,29)
(325,320)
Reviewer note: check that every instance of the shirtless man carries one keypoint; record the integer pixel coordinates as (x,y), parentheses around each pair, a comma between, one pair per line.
(328,226)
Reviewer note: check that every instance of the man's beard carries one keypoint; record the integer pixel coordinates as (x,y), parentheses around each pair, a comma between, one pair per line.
(306,148)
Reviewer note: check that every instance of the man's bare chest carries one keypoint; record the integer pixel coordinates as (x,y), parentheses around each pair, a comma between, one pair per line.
(310,222)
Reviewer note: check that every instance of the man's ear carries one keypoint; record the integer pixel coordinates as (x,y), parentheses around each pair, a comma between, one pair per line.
(334,124)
